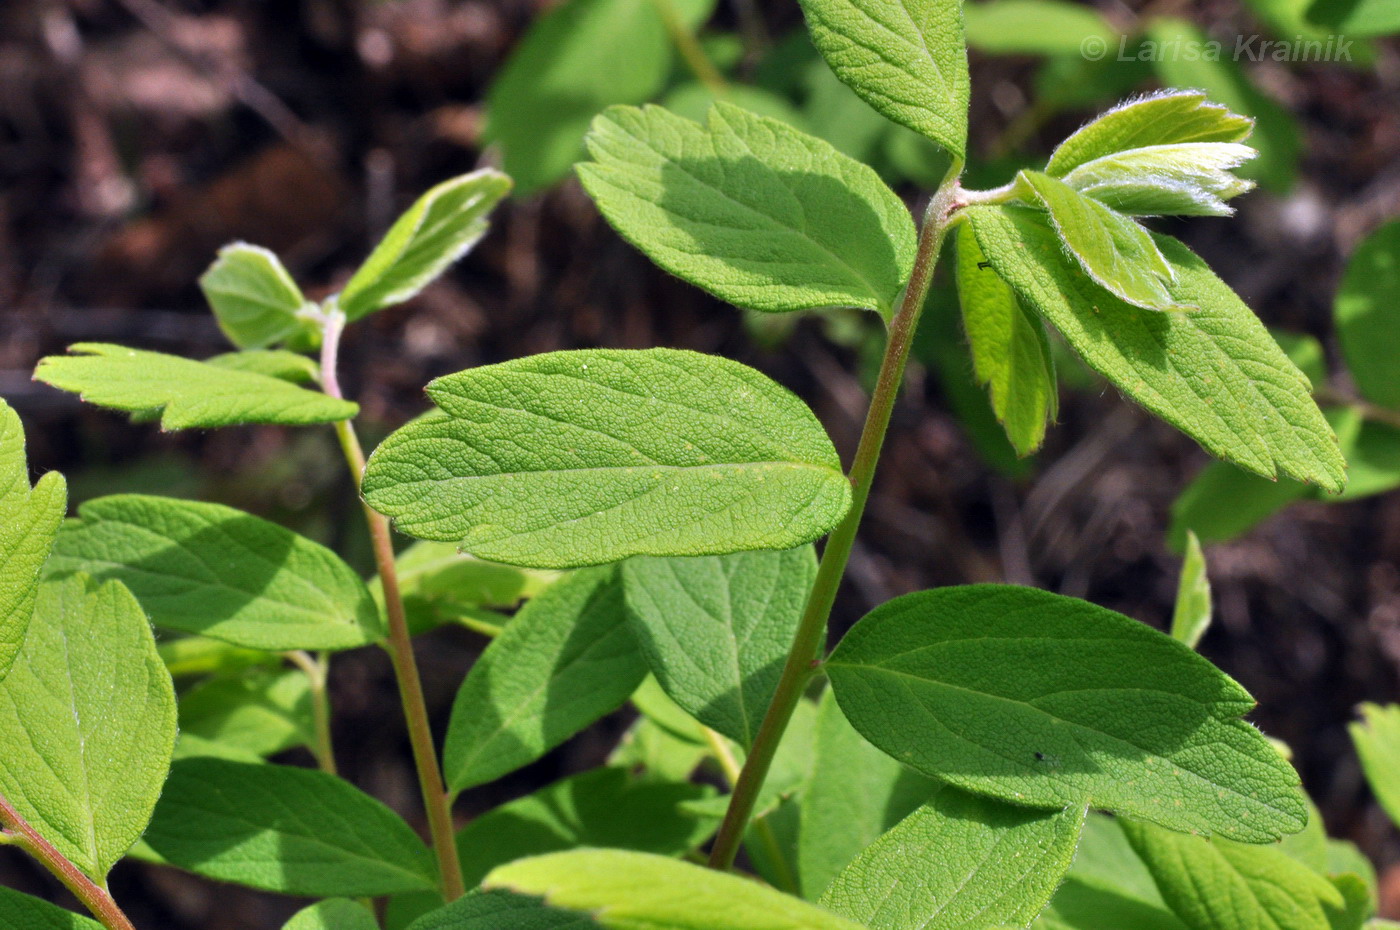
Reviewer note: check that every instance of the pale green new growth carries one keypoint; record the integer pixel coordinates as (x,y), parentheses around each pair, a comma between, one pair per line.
(997,865)
(1010,352)
(21,912)
(750,209)
(1213,373)
(209,569)
(637,891)
(29,521)
(716,629)
(903,57)
(438,229)
(333,914)
(1367,313)
(284,829)
(566,659)
(87,719)
(586,457)
(1050,701)
(1187,179)
(1377,740)
(1231,886)
(187,393)
(253,297)
(1191,617)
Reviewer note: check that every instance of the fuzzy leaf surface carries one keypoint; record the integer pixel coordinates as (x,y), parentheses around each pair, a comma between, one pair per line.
(213,570)
(253,296)
(586,457)
(1214,373)
(752,210)
(1050,701)
(87,719)
(1367,314)
(187,393)
(333,914)
(29,521)
(717,629)
(1191,617)
(998,865)
(438,229)
(283,829)
(906,58)
(1172,117)
(1185,179)
(566,659)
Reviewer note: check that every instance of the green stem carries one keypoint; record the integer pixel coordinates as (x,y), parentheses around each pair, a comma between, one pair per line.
(802,661)
(317,671)
(689,46)
(436,801)
(93,896)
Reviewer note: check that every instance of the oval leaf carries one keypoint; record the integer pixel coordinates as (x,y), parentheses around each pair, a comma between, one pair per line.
(587,457)
(1050,701)
(209,569)
(284,829)
(253,296)
(334,914)
(1367,313)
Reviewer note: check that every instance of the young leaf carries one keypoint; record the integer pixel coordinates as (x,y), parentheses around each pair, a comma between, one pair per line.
(750,209)
(1035,27)
(1050,701)
(289,830)
(606,807)
(438,229)
(1114,250)
(1010,353)
(1377,740)
(905,58)
(87,719)
(1232,886)
(333,914)
(188,393)
(1172,117)
(998,865)
(253,297)
(1367,314)
(566,659)
(637,891)
(585,457)
(1213,373)
(1192,614)
(275,363)
(855,794)
(209,569)
(21,912)
(717,629)
(29,521)
(257,713)
(1186,179)
(495,910)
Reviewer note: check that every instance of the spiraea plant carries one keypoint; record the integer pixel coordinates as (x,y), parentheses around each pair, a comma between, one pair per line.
(965,758)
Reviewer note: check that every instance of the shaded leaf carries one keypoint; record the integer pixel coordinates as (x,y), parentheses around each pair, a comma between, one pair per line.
(1377,740)
(494,910)
(1191,617)
(22,912)
(1367,315)
(257,714)
(1034,27)
(333,914)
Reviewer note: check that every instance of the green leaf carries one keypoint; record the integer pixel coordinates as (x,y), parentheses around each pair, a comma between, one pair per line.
(717,629)
(87,719)
(441,571)
(188,393)
(289,830)
(1373,457)
(1377,739)
(1220,76)
(997,865)
(586,457)
(750,209)
(1171,117)
(495,910)
(637,891)
(1010,352)
(904,57)
(566,659)
(1357,904)
(790,774)
(1356,18)
(693,101)
(1035,27)
(333,914)
(1050,701)
(1367,314)
(253,297)
(1111,248)
(29,521)
(275,363)
(1213,373)
(855,794)
(261,713)
(1305,352)
(1108,887)
(606,807)
(1191,617)
(21,912)
(1187,179)
(438,229)
(210,569)
(1223,502)
(1233,886)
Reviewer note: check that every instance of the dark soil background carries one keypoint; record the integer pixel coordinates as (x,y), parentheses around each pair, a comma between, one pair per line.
(136,136)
